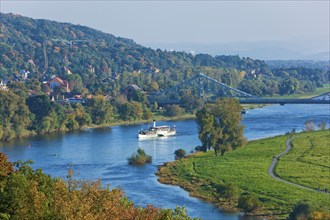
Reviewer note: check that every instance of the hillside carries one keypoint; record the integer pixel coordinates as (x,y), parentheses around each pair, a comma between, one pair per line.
(106,63)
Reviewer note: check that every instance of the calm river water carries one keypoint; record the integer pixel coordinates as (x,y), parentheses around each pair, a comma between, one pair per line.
(102,154)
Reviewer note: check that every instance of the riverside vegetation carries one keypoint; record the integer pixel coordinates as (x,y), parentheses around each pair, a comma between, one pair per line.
(102,65)
(239,179)
(30,194)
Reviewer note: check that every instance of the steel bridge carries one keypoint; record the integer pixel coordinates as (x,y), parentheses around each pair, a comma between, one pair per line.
(210,89)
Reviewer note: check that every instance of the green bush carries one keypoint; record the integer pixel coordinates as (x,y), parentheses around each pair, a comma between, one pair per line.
(179,154)
(249,203)
(229,191)
(302,210)
(140,158)
(173,110)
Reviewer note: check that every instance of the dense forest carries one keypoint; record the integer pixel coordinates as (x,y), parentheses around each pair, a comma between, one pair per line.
(105,63)
(100,65)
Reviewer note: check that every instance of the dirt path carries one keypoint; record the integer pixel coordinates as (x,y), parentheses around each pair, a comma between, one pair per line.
(273,165)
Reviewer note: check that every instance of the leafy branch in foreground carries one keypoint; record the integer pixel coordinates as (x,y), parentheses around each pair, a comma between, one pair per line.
(30,194)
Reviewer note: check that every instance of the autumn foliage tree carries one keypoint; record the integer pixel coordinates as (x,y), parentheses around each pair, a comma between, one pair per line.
(31,194)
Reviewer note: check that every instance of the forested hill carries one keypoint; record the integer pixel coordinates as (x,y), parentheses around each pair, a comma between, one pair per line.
(105,63)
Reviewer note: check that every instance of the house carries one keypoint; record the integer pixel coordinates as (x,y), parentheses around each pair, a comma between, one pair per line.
(23,74)
(130,91)
(58,82)
(3,86)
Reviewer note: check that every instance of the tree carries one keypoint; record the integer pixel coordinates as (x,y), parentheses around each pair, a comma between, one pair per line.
(289,86)
(81,116)
(249,203)
(75,82)
(191,103)
(130,111)
(100,110)
(39,105)
(173,110)
(219,126)
(15,116)
(153,86)
(179,154)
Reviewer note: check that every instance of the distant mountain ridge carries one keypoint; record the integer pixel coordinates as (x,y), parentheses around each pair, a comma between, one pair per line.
(264,50)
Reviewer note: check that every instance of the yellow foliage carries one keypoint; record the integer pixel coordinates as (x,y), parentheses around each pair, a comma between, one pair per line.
(320,216)
(57,49)
(242,74)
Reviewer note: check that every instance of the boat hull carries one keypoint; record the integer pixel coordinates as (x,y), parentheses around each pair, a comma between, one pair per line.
(157,131)
(158,134)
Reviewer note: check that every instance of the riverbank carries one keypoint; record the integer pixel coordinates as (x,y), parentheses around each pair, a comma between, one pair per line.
(205,176)
(157,115)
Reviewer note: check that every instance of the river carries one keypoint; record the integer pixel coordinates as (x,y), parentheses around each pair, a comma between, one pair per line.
(102,154)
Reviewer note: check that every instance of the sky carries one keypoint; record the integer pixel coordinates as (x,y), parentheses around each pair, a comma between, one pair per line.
(295,26)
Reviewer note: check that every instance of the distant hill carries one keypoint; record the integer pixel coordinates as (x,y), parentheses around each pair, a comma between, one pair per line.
(51,48)
(264,50)
(98,62)
(276,64)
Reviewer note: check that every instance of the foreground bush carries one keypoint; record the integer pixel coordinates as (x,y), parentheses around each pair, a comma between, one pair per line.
(140,158)
(31,194)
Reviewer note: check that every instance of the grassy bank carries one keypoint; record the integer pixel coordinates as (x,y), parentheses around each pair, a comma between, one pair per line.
(202,174)
(308,162)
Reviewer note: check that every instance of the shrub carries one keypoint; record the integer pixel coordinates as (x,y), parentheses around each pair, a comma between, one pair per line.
(249,203)
(302,210)
(140,158)
(179,154)
(200,148)
(229,191)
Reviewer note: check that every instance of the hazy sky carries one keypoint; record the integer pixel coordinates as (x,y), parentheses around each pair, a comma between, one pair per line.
(190,21)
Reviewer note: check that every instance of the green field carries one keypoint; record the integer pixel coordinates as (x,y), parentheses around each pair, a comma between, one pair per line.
(246,168)
(308,162)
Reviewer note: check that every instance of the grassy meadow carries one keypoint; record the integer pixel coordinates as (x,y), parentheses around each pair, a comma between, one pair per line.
(202,173)
(308,162)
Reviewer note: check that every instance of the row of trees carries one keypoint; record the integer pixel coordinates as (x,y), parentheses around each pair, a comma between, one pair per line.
(23,115)
(37,114)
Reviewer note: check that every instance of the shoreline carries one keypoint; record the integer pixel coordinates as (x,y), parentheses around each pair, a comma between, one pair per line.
(111,124)
(185,116)
(196,174)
